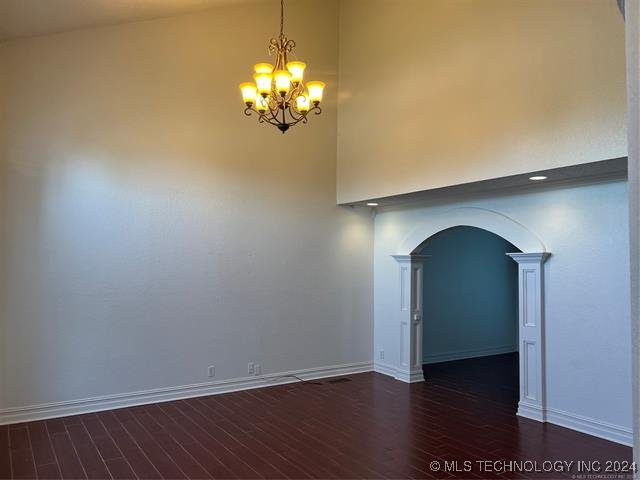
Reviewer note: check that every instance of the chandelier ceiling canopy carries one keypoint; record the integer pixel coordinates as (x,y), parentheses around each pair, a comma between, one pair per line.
(278,94)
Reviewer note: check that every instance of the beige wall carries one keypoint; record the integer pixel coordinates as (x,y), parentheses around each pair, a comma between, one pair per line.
(151,229)
(444,92)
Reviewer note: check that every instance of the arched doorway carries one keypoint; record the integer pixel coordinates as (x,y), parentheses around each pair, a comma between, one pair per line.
(409,292)
(470,321)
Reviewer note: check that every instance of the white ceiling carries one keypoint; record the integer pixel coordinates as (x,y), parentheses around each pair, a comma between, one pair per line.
(25,18)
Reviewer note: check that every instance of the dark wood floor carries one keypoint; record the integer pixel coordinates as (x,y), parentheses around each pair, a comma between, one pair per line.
(490,378)
(368,427)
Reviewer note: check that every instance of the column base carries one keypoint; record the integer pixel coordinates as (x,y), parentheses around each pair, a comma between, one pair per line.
(531,411)
(410,377)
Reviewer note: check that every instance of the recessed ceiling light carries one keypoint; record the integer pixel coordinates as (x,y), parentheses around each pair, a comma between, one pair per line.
(372,204)
(537,178)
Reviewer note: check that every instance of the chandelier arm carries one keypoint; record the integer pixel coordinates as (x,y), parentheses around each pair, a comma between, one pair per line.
(291,96)
(294,115)
(266,119)
(270,119)
(275,124)
(303,116)
(297,115)
(302,119)
(273,110)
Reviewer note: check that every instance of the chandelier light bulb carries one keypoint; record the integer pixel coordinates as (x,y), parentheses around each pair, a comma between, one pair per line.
(263,82)
(263,68)
(283,81)
(261,104)
(248,92)
(316,90)
(303,103)
(297,71)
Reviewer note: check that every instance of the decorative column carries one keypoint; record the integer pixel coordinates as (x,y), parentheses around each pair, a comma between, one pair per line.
(409,317)
(531,334)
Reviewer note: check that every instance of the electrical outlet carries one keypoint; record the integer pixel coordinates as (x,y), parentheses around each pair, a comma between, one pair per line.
(257,369)
(251,368)
(381,354)
(211,371)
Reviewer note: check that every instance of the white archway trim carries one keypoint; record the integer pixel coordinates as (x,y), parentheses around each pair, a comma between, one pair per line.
(489,220)
(408,293)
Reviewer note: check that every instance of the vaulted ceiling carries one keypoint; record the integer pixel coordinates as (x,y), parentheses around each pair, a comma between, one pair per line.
(25,18)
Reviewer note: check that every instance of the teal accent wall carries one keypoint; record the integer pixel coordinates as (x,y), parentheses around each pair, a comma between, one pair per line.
(470,295)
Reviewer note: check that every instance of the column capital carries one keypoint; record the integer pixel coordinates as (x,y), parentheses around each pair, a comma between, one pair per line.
(536,257)
(411,258)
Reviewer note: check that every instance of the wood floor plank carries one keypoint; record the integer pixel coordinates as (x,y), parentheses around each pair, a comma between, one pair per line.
(68,461)
(41,444)
(5,455)
(49,472)
(90,458)
(120,469)
(19,438)
(138,461)
(22,464)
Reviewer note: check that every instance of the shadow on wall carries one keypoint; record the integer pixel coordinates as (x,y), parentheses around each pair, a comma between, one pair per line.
(470,295)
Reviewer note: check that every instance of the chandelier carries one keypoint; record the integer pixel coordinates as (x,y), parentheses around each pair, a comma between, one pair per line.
(278,95)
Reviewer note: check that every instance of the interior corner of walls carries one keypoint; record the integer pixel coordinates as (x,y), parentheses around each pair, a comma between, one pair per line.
(385,369)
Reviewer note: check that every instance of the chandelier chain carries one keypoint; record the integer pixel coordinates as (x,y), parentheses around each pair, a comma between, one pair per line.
(281,17)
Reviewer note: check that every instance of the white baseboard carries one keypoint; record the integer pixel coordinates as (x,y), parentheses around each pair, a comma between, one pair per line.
(462,354)
(597,428)
(385,369)
(390,370)
(579,423)
(108,402)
